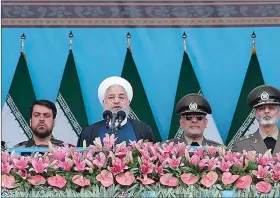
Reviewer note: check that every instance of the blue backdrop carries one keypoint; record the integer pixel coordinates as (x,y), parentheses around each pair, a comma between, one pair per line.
(220,57)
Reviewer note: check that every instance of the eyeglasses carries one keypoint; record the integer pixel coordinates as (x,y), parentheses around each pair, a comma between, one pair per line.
(190,117)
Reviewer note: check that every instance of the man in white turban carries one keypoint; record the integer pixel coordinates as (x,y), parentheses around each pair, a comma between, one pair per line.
(115,94)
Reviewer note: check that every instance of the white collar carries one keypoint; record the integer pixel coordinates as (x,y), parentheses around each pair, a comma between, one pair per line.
(189,141)
(274,136)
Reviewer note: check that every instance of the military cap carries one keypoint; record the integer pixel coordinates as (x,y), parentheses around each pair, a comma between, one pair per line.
(193,103)
(263,94)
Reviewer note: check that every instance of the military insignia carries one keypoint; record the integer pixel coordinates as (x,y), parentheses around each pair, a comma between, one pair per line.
(193,106)
(245,137)
(264,96)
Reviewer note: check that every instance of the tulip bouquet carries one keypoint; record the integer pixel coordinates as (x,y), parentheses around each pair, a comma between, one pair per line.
(140,169)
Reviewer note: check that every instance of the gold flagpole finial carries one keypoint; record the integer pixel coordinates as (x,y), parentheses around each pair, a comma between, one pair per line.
(253,42)
(128,37)
(70,40)
(184,36)
(22,42)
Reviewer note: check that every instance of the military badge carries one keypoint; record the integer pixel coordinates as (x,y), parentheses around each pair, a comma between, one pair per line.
(264,96)
(193,106)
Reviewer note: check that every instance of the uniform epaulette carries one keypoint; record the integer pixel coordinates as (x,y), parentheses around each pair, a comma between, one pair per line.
(245,137)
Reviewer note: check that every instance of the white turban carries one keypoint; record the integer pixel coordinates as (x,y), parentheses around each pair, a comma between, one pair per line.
(114,80)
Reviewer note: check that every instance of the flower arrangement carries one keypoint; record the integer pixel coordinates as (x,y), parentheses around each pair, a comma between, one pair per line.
(141,169)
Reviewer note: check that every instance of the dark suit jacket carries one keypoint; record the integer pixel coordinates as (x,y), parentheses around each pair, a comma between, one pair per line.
(254,142)
(141,129)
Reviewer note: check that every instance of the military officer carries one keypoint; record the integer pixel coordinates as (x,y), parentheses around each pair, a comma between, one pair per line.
(193,109)
(265,100)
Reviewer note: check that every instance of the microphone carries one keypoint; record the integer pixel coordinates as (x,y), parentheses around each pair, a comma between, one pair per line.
(113,121)
(120,116)
(107,115)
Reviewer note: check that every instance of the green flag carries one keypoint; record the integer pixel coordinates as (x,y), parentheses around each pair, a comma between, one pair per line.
(188,83)
(243,121)
(139,107)
(15,112)
(71,117)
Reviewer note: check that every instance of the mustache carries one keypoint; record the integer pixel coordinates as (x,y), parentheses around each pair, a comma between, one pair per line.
(41,123)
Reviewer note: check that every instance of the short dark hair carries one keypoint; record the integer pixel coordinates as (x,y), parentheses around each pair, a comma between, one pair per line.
(45,103)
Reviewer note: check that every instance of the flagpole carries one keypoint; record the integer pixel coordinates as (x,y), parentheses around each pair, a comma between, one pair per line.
(128,37)
(253,42)
(70,40)
(184,36)
(22,42)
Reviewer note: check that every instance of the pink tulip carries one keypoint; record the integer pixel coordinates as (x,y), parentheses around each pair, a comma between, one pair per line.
(175,162)
(228,178)
(20,163)
(97,144)
(88,154)
(58,153)
(168,180)
(118,166)
(230,156)
(250,155)
(80,180)
(200,152)
(159,170)
(80,166)
(146,168)
(99,160)
(212,164)
(132,143)
(209,179)
(153,149)
(5,157)
(109,141)
(195,159)
(263,187)
(203,163)
(243,182)
(264,160)
(125,179)
(6,168)
(168,148)
(106,178)
(37,180)
(275,176)
(146,180)
(261,172)
(212,150)
(224,165)
(121,151)
(57,181)
(66,165)
(39,166)
(239,161)
(23,173)
(162,157)
(181,146)
(187,178)
(8,181)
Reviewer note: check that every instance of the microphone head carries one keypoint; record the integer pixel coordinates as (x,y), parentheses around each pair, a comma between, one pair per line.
(107,114)
(121,114)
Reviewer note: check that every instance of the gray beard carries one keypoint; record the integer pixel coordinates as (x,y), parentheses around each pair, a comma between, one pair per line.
(268,122)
